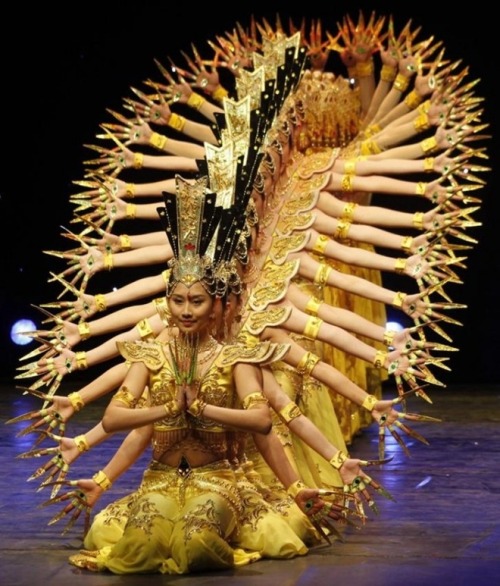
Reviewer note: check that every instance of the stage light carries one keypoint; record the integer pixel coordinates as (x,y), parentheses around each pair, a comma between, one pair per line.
(18,329)
(393,326)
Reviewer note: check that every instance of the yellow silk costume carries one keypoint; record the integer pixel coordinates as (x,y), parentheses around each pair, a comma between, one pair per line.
(183,519)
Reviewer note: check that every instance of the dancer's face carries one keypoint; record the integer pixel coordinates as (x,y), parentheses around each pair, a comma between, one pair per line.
(191,308)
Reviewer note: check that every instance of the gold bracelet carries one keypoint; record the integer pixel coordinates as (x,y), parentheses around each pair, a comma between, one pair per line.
(158,141)
(108,260)
(364,68)
(320,244)
(289,412)
(125,243)
(418,220)
(429,145)
(346,183)
(370,147)
(312,306)
(421,123)
(84,330)
(380,358)
(294,488)
(348,211)
(388,73)
(171,409)
(401,83)
(195,101)
(76,401)
(102,480)
(413,100)
(424,107)
(311,329)
(389,338)
(138,160)
(197,407)
(81,443)
(176,122)
(338,460)
(343,227)
(100,302)
(429,164)
(398,299)
(321,276)
(307,363)
(81,360)
(350,166)
(400,265)
(369,402)
(130,211)
(420,188)
(219,93)
(407,243)
(130,190)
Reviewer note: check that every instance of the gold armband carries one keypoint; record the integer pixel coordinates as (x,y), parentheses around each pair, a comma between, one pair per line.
(138,160)
(364,68)
(312,306)
(125,243)
(413,100)
(158,141)
(348,211)
(372,129)
(195,101)
(401,83)
(421,123)
(388,73)
(418,220)
(102,480)
(176,122)
(321,276)
(389,338)
(100,302)
(144,328)
(307,363)
(84,330)
(398,299)
(125,396)
(252,399)
(219,93)
(81,443)
(338,460)
(320,244)
(76,401)
(369,402)
(429,164)
(197,407)
(400,265)
(342,230)
(130,190)
(311,329)
(407,243)
(130,211)
(108,260)
(429,145)
(289,412)
(294,488)
(380,358)
(81,360)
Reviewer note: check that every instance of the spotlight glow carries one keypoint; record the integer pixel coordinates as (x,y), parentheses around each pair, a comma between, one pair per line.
(18,329)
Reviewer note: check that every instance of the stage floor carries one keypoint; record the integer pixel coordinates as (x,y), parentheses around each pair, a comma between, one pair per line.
(443,528)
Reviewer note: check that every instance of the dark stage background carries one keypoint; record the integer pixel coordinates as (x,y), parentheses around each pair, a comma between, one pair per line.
(62,67)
